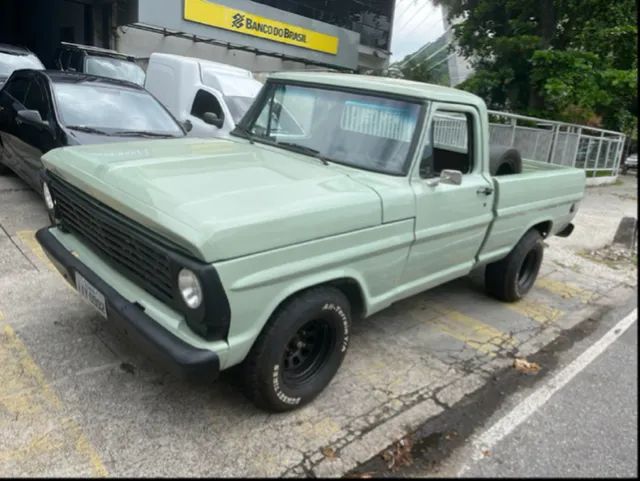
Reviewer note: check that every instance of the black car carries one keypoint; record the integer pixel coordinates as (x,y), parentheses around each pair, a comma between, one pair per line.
(73,57)
(41,110)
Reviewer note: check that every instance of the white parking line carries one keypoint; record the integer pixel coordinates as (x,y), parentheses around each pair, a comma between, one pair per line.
(503,427)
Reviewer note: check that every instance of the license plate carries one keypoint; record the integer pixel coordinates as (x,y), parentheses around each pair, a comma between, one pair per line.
(91,294)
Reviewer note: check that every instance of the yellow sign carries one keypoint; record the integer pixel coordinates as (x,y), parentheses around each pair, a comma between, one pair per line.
(221,16)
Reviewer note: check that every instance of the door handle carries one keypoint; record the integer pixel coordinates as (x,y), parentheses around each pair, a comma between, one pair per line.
(485,191)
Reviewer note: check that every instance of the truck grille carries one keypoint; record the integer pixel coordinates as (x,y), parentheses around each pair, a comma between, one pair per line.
(115,237)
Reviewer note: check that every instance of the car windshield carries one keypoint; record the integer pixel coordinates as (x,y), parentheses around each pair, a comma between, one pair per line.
(366,131)
(10,62)
(112,108)
(115,68)
(238,106)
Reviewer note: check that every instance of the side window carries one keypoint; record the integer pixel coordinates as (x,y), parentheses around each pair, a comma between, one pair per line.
(206,102)
(37,100)
(76,61)
(451,144)
(17,88)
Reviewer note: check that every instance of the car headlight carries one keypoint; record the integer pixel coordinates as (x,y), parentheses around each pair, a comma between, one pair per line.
(190,288)
(48,200)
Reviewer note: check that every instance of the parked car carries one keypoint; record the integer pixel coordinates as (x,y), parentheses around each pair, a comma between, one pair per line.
(259,249)
(41,110)
(630,163)
(13,58)
(73,57)
(209,97)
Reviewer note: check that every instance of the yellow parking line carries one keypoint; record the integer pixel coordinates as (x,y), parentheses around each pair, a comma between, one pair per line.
(25,394)
(476,334)
(535,310)
(564,289)
(28,237)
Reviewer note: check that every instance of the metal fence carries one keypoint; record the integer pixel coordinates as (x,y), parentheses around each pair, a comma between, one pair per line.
(597,151)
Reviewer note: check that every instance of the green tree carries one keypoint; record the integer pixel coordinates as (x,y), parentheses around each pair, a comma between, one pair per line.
(429,71)
(573,60)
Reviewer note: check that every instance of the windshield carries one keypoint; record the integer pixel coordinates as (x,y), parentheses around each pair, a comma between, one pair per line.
(9,63)
(115,68)
(366,131)
(112,108)
(238,106)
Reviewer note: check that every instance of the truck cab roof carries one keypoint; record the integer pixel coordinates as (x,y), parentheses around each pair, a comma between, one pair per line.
(208,64)
(401,87)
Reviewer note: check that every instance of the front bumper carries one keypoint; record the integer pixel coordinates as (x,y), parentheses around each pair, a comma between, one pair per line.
(172,353)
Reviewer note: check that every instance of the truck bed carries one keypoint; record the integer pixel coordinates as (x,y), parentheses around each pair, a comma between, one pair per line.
(543,194)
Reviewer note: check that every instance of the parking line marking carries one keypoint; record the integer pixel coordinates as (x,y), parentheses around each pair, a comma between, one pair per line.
(522,411)
(25,403)
(535,310)
(564,289)
(476,334)
(28,237)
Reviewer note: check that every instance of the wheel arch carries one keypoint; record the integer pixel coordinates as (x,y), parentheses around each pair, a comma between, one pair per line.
(348,283)
(543,227)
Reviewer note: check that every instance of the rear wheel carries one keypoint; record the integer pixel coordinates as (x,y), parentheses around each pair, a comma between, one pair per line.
(299,350)
(512,277)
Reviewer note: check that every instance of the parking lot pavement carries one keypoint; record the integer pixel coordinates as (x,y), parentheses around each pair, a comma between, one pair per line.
(76,399)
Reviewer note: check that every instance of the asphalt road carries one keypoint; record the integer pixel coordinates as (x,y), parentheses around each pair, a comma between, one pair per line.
(587,428)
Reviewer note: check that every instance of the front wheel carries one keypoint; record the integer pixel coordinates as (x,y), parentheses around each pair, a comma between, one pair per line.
(512,277)
(299,350)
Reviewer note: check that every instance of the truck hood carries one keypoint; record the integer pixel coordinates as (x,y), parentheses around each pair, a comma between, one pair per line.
(220,198)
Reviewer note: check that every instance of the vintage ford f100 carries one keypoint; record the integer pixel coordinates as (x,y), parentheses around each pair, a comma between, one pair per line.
(335,196)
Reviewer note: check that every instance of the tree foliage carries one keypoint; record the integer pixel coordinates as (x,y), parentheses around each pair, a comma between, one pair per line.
(574,60)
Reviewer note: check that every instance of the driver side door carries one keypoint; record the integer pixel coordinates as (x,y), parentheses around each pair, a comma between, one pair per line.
(37,140)
(452,219)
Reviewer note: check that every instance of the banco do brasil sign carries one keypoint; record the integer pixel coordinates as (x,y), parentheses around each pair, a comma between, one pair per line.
(221,16)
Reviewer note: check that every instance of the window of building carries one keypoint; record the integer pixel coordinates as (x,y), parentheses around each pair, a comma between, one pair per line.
(370,18)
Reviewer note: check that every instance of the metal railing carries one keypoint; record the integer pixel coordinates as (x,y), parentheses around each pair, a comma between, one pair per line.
(597,151)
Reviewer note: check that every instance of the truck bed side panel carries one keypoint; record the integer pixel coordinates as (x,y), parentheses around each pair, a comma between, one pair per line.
(542,193)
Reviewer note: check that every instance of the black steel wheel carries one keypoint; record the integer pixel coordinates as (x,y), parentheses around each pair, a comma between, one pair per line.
(510,279)
(299,350)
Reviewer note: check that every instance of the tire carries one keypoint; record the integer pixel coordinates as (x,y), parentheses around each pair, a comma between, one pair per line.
(504,161)
(318,320)
(511,278)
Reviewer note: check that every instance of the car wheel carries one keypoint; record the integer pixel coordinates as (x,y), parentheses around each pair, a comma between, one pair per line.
(512,277)
(299,350)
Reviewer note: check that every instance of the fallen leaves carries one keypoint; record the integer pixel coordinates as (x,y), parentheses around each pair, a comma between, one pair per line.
(328,452)
(399,454)
(526,367)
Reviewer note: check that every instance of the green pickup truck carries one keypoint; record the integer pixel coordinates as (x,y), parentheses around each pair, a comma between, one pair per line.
(335,196)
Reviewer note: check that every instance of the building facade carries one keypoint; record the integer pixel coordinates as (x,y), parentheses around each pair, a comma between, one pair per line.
(260,35)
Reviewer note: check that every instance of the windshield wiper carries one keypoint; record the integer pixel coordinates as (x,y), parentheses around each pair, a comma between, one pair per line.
(140,133)
(303,150)
(89,130)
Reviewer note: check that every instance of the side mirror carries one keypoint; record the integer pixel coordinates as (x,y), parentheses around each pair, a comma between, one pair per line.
(187,125)
(212,119)
(451,177)
(32,117)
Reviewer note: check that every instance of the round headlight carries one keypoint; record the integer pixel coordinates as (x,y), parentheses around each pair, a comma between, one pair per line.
(48,200)
(190,289)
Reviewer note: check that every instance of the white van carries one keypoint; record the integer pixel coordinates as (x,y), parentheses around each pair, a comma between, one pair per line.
(209,98)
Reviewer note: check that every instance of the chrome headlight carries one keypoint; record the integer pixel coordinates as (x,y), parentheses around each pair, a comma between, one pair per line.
(190,288)
(48,200)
